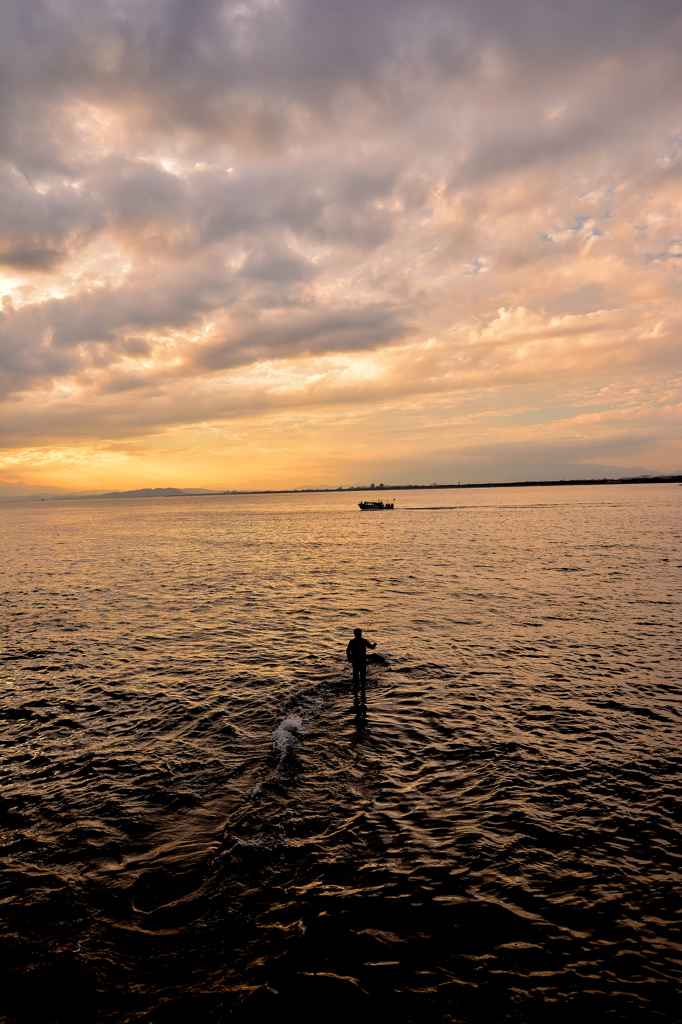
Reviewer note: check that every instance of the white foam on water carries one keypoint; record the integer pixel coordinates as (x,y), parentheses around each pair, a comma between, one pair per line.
(286,735)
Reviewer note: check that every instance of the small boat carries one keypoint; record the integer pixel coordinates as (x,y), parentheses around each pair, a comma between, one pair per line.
(374,506)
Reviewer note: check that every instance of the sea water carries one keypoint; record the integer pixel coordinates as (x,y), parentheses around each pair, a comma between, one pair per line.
(203,822)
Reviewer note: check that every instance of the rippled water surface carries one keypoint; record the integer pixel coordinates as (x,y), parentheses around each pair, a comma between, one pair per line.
(202,822)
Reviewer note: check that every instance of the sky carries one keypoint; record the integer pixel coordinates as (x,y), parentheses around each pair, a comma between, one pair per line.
(297,243)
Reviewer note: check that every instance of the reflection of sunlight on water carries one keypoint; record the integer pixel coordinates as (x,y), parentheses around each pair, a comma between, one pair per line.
(190,759)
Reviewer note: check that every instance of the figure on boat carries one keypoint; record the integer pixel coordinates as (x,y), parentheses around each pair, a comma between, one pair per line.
(374,506)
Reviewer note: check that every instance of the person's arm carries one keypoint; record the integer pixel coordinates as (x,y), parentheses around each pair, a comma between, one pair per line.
(348,657)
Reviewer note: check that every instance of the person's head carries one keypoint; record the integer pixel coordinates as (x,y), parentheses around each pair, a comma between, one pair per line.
(357,632)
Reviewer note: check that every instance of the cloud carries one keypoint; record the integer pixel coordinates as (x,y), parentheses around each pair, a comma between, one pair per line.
(220,210)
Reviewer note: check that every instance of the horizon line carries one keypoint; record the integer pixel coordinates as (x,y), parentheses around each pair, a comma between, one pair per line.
(179,492)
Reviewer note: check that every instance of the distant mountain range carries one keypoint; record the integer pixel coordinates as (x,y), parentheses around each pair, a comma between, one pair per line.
(155,492)
(20,491)
(29,492)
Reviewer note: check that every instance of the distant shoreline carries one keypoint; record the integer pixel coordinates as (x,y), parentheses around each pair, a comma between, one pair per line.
(172,492)
(461,487)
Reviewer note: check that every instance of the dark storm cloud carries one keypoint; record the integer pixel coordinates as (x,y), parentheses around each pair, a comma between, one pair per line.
(73,336)
(264,75)
(275,264)
(135,194)
(312,333)
(240,68)
(40,228)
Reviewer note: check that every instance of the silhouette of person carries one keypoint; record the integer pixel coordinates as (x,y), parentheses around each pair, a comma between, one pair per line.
(356,652)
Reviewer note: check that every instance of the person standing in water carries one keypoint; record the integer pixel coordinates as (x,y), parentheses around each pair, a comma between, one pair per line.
(356,652)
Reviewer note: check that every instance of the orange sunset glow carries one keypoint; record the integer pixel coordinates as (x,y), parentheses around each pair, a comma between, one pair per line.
(315,244)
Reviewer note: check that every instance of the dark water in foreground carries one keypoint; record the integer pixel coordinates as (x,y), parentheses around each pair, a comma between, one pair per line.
(201,824)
